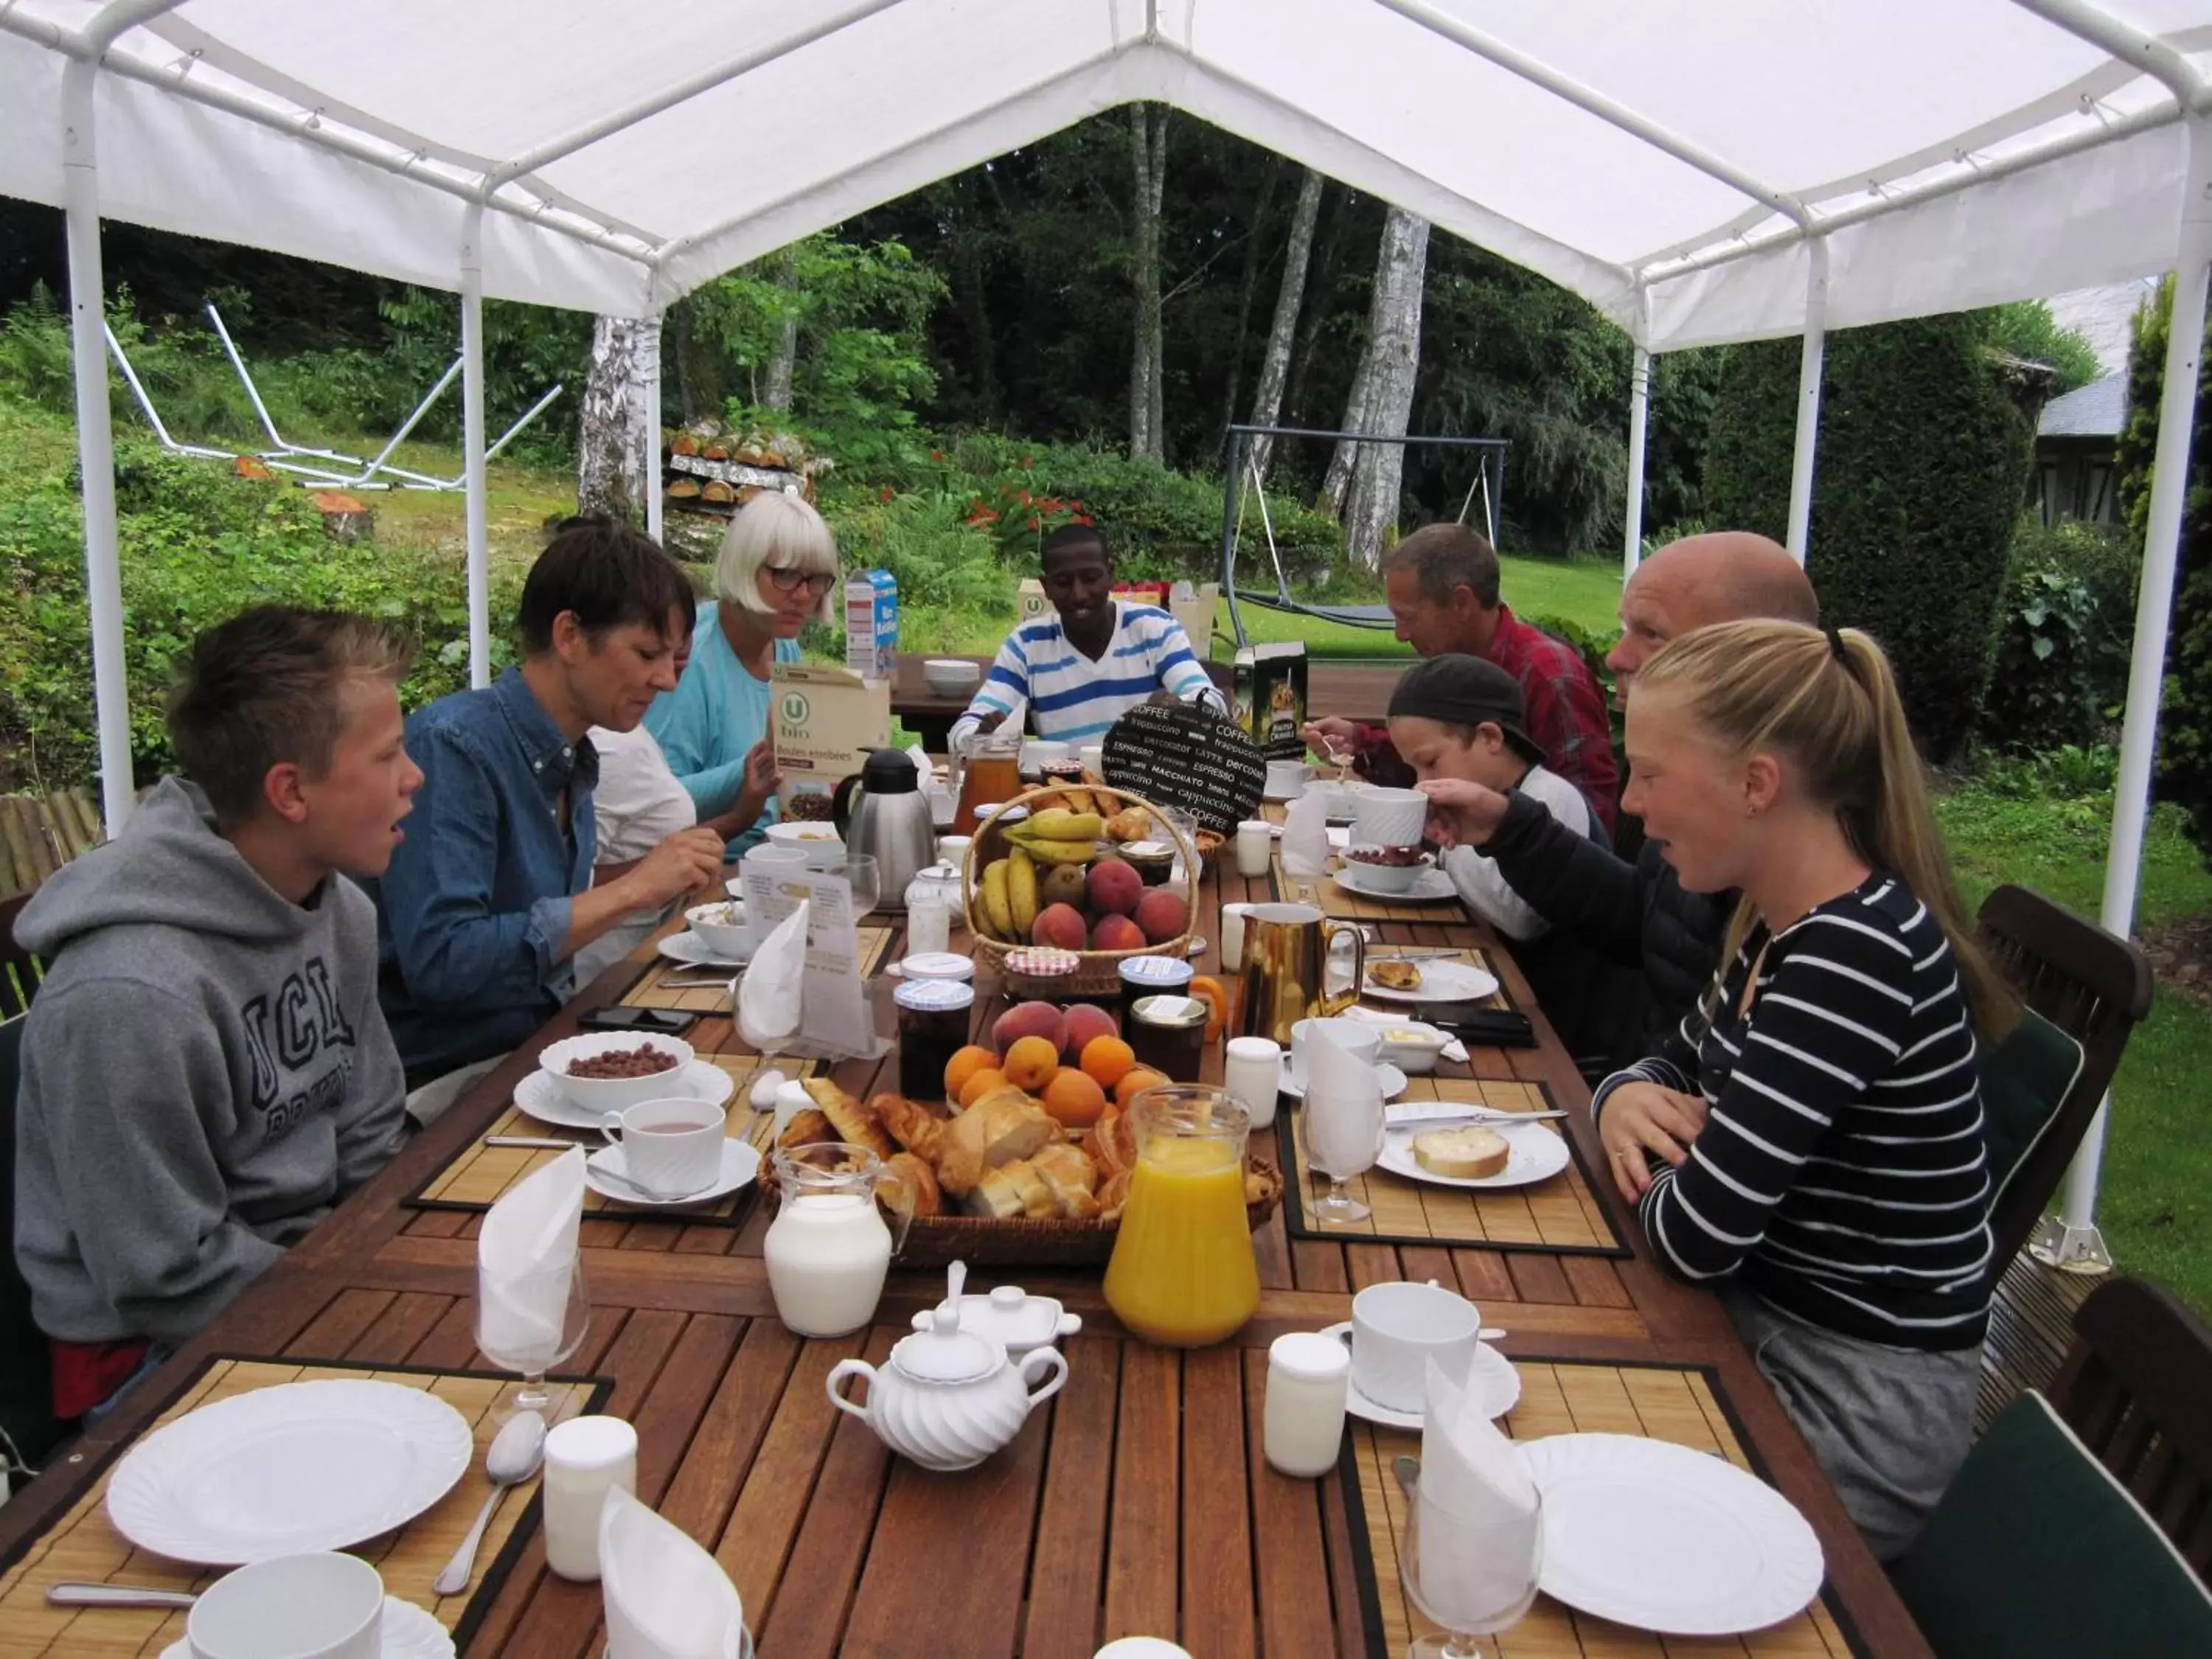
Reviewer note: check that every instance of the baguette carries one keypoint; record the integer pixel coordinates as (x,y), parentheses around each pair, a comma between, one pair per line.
(1465,1154)
(1000,1128)
(854,1123)
(1070,1175)
(1012,1192)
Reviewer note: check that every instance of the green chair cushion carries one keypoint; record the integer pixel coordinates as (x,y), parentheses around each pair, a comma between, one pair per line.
(2036,1553)
(2025,1080)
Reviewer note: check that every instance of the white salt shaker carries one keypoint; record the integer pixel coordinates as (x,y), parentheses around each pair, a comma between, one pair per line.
(1251,1073)
(1256,841)
(584,1458)
(1308,1375)
(1141,1647)
(1233,936)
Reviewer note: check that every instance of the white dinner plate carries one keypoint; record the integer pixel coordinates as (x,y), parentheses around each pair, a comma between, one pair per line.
(1431,886)
(1662,1538)
(540,1095)
(1294,1080)
(1536,1152)
(289,1470)
(408,1632)
(1443,980)
(691,951)
(1493,1380)
(740,1163)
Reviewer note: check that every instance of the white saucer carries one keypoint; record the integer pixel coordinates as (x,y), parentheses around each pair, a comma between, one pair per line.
(740,1163)
(1534,1152)
(1493,1382)
(689,949)
(1431,886)
(408,1633)
(540,1096)
(1392,1079)
(1443,980)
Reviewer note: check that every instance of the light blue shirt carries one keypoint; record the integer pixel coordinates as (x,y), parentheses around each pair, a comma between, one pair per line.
(709,724)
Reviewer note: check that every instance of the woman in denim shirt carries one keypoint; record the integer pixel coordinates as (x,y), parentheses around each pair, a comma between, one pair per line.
(777,566)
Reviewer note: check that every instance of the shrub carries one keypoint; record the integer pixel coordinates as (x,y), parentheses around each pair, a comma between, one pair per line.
(1922,462)
(2064,631)
(2185,759)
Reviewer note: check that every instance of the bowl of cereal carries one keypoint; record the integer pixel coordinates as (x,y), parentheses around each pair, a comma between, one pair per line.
(721,928)
(824,847)
(613,1071)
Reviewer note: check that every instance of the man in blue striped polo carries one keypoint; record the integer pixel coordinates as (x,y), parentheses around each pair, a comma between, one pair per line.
(1080,670)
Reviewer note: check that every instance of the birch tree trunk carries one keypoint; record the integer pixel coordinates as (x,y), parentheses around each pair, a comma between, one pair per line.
(1149,127)
(611,449)
(1275,368)
(775,388)
(1393,356)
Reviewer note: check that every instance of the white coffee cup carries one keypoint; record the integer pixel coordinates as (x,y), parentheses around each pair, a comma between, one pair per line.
(671,1148)
(1398,1327)
(1286,777)
(325,1605)
(953,850)
(1388,818)
(1364,1040)
(1251,1073)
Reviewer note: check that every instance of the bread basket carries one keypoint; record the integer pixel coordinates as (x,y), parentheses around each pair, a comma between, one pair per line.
(1097,973)
(935,1240)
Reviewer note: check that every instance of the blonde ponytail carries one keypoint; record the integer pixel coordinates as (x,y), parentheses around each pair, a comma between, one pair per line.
(1828,702)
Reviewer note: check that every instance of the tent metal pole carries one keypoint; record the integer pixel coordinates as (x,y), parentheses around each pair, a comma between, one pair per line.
(2071,1238)
(95,439)
(472,446)
(1808,400)
(1640,408)
(648,421)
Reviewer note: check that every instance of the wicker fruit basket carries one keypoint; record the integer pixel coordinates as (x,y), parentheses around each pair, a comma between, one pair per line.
(935,1240)
(1097,973)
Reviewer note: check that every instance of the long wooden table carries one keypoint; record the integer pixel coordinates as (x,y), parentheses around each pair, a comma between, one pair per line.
(1136,1502)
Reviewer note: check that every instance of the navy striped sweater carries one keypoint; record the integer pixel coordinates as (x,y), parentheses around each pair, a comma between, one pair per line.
(1841,1173)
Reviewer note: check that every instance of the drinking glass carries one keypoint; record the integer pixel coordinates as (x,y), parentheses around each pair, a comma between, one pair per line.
(1344,1137)
(505,1339)
(861,876)
(1469,1578)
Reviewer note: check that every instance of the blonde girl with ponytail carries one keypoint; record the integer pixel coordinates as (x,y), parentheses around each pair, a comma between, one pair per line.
(1812,1137)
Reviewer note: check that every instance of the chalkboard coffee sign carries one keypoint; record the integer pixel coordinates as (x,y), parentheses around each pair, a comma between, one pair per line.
(1184,755)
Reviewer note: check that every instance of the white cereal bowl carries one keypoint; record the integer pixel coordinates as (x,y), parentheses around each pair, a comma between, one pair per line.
(951,676)
(721,929)
(612,1094)
(824,847)
(1387,877)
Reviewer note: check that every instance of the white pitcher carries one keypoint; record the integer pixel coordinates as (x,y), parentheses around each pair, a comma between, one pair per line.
(828,1249)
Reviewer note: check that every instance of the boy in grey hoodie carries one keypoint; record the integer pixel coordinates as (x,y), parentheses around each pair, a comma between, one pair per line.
(206,1071)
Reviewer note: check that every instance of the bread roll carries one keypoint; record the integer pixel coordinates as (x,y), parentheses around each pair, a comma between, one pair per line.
(1005,1124)
(1466,1154)
(1070,1176)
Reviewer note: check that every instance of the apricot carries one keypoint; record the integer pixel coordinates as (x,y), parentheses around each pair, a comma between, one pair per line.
(1085,1021)
(1134,1082)
(1031,1063)
(1075,1099)
(1162,914)
(1117,934)
(1039,1020)
(1114,887)
(1107,1060)
(963,1065)
(979,1083)
(1205,985)
(1061,925)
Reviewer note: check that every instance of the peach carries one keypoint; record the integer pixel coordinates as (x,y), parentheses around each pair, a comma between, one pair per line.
(1085,1021)
(1113,888)
(1061,925)
(1117,934)
(1162,914)
(1028,1019)
(1031,1063)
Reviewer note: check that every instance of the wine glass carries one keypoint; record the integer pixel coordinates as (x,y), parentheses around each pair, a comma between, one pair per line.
(861,875)
(517,1329)
(1469,1578)
(1344,1137)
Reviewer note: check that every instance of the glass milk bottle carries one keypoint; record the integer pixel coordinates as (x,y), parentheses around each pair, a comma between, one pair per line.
(828,1249)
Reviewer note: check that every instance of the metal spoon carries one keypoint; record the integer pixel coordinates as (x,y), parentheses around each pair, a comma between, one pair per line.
(516,1451)
(115,1596)
(1408,1470)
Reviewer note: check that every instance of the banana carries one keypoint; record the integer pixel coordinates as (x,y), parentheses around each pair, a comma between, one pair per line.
(997,909)
(1055,852)
(1058,823)
(1021,889)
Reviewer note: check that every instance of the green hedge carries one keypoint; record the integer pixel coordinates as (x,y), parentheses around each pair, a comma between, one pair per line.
(1924,461)
(2063,636)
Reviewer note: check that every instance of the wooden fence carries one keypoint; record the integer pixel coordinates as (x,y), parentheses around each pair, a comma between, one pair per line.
(39,834)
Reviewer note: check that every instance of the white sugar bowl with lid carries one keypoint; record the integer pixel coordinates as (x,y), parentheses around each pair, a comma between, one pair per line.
(1009,1315)
(948,1398)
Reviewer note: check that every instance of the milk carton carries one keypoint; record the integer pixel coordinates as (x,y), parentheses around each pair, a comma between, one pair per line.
(871,624)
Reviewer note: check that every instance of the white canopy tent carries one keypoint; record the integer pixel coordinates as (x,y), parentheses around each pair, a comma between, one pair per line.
(1702,171)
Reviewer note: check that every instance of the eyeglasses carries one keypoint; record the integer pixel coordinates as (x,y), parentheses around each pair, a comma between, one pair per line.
(790,582)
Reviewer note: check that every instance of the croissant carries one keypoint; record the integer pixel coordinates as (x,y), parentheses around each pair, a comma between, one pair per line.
(1113,1196)
(920,1181)
(854,1122)
(807,1128)
(1112,1144)
(914,1126)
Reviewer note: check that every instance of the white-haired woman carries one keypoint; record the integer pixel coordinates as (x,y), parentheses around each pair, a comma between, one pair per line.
(777,562)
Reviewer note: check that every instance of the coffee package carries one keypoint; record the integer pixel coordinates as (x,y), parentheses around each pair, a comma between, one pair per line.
(1270,696)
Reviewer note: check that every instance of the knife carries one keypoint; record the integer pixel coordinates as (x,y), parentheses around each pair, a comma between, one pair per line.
(533,1142)
(1491,1115)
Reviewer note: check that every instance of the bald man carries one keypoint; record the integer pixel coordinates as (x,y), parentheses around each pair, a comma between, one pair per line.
(1636,913)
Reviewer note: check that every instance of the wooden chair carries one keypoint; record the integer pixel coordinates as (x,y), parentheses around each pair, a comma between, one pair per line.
(2092,986)
(2137,1386)
(20,970)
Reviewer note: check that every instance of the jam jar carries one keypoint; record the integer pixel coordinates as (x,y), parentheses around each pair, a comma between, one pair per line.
(1167,1032)
(1145,976)
(933,1016)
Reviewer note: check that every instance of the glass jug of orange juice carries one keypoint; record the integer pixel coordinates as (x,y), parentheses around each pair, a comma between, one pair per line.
(1183,1273)
(990,773)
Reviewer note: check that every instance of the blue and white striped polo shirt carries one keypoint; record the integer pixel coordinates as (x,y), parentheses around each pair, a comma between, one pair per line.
(1073,699)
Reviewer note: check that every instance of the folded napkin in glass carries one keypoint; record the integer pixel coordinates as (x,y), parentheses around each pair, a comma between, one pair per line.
(667,1598)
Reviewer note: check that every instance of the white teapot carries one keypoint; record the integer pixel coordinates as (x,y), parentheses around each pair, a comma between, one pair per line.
(949,1398)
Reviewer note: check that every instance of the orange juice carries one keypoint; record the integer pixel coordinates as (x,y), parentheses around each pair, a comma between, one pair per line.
(1184,1273)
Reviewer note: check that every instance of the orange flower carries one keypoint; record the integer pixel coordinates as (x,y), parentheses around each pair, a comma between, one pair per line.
(884,493)
(1034,524)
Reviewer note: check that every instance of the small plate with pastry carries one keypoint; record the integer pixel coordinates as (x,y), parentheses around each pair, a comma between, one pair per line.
(1495,1152)
(1434,979)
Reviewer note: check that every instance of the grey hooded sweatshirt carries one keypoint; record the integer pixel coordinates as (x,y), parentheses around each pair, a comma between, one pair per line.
(205,1072)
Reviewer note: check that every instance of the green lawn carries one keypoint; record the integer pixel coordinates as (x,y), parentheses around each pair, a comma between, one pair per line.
(1586,593)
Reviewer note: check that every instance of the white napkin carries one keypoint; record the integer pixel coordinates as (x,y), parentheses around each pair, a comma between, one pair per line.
(525,1253)
(1305,837)
(1471,1473)
(1343,1106)
(667,1598)
(768,996)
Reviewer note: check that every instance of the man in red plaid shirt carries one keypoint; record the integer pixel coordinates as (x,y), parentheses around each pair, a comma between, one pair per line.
(1441,584)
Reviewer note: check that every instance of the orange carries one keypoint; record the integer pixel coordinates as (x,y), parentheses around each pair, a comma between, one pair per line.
(1205,985)
(1134,1082)
(1030,1063)
(1075,1099)
(964,1065)
(981,1083)
(1107,1060)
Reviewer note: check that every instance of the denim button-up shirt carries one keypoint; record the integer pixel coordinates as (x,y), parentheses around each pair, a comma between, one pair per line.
(473,912)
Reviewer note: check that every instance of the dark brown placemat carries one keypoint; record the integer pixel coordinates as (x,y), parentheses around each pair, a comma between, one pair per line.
(1560,1215)
(1684,1404)
(83,1545)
